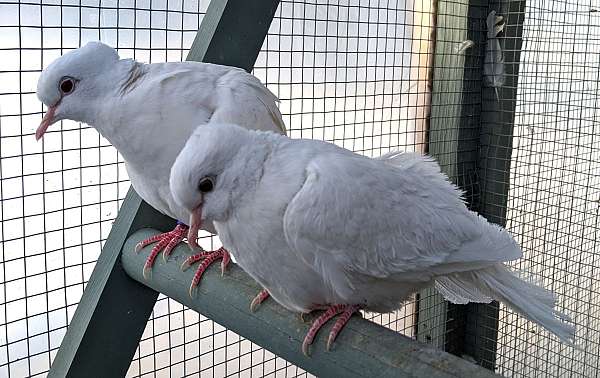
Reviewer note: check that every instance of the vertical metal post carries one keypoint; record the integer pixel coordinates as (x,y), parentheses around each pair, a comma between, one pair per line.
(495,150)
(454,138)
(471,136)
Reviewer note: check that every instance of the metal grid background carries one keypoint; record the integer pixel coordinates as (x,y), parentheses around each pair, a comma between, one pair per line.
(553,203)
(338,72)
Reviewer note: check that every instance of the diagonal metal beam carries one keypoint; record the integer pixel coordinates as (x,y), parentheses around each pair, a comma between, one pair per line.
(112,313)
(232,32)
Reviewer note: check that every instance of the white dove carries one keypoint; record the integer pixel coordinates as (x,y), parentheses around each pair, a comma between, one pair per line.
(321,227)
(148,111)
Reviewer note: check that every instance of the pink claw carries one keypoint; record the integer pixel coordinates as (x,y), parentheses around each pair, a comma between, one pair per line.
(345,310)
(340,323)
(166,241)
(193,259)
(177,237)
(225,261)
(139,246)
(209,258)
(152,256)
(302,315)
(260,298)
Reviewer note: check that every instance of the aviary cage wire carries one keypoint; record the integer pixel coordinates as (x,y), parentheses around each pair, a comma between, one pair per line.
(60,197)
(553,202)
(352,72)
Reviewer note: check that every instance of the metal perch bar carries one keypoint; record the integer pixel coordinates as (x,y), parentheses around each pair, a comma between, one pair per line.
(362,349)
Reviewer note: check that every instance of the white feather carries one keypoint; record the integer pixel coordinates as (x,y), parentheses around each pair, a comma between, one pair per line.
(534,302)
(464,45)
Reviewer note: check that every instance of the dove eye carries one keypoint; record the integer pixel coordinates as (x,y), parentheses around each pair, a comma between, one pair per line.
(206,184)
(67,85)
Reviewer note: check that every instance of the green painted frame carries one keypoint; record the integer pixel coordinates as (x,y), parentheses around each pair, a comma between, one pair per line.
(470,135)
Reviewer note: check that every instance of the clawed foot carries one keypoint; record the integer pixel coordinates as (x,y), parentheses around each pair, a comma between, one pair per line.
(346,312)
(260,298)
(166,243)
(208,259)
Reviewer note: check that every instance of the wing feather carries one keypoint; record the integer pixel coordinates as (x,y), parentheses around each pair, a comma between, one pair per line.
(218,93)
(386,218)
(242,96)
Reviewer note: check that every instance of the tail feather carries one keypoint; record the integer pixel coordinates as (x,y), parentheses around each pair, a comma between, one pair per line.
(497,282)
(457,292)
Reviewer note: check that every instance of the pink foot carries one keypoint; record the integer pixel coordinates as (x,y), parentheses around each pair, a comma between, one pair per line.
(345,310)
(166,241)
(209,258)
(260,298)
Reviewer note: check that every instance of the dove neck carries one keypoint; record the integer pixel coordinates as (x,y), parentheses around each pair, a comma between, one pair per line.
(249,164)
(102,97)
(110,122)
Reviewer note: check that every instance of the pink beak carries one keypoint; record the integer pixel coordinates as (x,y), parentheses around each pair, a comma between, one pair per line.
(46,122)
(195,223)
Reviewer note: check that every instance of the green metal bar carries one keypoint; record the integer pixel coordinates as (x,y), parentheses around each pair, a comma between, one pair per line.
(470,135)
(113,311)
(497,123)
(498,117)
(453,140)
(363,348)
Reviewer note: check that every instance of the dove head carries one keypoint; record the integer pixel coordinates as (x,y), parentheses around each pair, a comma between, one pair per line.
(70,84)
(218,166)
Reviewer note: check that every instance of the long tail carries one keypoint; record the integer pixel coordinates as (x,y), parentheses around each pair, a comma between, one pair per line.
(497,282)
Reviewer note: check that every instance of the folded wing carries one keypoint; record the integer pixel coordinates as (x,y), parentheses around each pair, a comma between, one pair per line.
(396,217)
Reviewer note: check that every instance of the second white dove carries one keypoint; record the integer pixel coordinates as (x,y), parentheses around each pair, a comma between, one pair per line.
(321,227)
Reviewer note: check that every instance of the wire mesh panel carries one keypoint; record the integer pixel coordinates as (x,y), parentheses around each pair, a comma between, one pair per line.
(59,197)
(553,202)
(352,72)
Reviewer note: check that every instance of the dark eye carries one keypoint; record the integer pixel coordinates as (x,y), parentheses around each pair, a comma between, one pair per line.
(206,184)
(67,85)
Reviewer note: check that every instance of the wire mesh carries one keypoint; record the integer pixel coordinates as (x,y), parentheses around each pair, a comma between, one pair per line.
(352,72)
(555,186)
